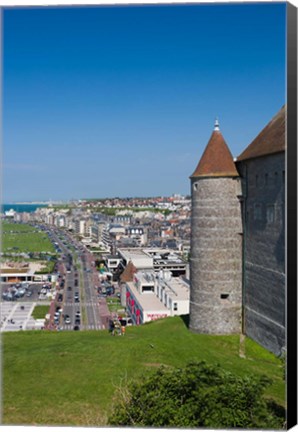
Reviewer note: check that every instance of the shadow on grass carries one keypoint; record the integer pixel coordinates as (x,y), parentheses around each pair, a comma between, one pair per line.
(185,319)
(277,410)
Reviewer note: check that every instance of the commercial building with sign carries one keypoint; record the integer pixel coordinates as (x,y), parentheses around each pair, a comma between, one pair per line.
(150,296)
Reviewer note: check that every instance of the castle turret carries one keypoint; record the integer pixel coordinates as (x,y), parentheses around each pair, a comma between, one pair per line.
(216,241)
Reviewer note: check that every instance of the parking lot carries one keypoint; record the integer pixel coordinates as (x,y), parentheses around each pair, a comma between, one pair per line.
(16,313)
(30,293)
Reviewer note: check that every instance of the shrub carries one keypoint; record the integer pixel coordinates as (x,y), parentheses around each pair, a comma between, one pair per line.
(197,396)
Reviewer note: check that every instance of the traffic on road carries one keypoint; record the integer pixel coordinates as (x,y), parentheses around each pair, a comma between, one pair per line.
(75,304)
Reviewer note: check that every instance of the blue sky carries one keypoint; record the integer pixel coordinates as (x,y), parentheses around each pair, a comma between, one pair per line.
(121,101)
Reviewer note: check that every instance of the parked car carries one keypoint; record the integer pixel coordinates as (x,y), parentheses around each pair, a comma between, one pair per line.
(110,290)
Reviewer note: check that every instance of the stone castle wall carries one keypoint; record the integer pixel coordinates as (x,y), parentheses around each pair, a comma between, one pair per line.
(264,250)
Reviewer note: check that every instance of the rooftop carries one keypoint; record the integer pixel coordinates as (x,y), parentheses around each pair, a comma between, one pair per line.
(272,139)
(133,253)
(177,289)
(148,301)
(129,271)
(217,160)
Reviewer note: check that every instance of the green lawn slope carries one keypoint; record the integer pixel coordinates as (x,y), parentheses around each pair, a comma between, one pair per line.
(70,378)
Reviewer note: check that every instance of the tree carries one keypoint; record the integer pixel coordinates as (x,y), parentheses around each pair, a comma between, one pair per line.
(199,395)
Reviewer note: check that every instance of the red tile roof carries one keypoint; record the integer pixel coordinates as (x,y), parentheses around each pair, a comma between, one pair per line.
(272,139)
(127,275)
(217,160)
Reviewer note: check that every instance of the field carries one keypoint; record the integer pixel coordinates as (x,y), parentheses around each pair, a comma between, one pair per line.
(114,304)
(40,311)
(17,238)
(70,378)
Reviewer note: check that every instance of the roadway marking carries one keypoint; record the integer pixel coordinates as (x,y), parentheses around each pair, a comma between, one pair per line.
(10,314)
(29,315)
(82,304)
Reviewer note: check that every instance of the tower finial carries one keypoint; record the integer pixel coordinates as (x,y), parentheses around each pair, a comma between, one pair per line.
(216,124)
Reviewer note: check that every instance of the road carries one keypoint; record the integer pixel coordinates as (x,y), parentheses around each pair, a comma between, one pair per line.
(76,295)
(79,275)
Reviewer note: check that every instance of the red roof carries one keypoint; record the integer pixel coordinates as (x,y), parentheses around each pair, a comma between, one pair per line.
(217,160)
(272,139)
(127,275)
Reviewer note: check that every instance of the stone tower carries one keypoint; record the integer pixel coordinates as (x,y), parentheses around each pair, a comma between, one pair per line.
(216,242)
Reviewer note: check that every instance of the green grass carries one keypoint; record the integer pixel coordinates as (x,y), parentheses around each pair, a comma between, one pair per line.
(8,227)
(114,304)
(24,238)
(114,210)
(40,311)
(70,378)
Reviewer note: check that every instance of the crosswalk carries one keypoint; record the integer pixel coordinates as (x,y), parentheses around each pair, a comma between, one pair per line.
(81,304)
(84,327)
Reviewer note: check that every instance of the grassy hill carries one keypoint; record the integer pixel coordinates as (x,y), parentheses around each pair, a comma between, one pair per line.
(69,378)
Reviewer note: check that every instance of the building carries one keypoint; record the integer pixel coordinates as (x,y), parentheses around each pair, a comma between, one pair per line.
(150,297)
(216,242)
(165,259)
(262,169)
(139,258)
(237,265)
(154,259)
(137,233)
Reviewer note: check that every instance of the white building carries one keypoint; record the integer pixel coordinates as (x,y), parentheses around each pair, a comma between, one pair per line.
(150,296)
(140,259)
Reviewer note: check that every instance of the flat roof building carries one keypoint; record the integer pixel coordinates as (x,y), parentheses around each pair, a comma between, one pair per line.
(150,296)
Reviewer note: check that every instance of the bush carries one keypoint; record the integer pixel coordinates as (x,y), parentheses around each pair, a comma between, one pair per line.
(197,396)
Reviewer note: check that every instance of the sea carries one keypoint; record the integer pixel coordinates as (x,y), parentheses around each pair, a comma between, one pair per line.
(20,208)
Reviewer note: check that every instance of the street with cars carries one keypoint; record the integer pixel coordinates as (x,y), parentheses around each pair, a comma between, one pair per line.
(75,304)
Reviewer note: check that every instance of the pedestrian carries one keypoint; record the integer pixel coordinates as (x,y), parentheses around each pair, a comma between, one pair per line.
(123,330)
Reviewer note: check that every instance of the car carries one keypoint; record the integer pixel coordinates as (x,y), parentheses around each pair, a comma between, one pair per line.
(67,319)
(110,290)
(78,321)
(78,313)
(76,327)
(69,288)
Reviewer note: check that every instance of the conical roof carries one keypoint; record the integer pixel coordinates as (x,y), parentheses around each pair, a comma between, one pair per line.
(217,160)
(127,275)
(272,139)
